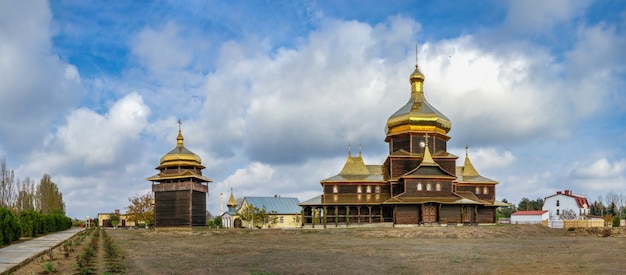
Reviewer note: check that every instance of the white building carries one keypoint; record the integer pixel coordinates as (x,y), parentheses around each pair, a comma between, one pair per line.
(529,217)
(566,201)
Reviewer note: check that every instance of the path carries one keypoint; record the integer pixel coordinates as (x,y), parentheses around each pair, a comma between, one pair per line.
(14,255)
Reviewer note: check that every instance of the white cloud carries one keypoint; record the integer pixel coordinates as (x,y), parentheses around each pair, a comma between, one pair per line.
(599,169)
(488,158)
(36,87)
(162,50)
(90,141)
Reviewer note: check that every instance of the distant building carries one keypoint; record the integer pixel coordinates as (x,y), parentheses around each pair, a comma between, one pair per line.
(228,217)
(564,201)
(529,217)
(285,212)
(419,182)
(179,188)
(104,220)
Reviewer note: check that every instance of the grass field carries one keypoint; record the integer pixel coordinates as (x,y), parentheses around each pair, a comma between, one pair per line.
(506,249)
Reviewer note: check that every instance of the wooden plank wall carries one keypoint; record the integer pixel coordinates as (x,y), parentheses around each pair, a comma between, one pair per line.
(408,214)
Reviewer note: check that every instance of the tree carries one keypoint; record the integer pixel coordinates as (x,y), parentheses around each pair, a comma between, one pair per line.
(568,214)
(247,214)
(25,195)
(114,219)
(7,188)
(49,199)
(506,211)
(526,204)
(141,209)
(597,208)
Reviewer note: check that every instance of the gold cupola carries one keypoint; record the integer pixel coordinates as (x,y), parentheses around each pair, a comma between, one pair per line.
(417,115)
(180,156)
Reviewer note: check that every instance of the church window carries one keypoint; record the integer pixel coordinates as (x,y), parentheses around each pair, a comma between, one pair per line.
(428,187)
(335,189)
(368,189)
(557,212)
(557,203)
(477,190)
(485,190)
(438,187)
(282,219)
(377,189)
(359,189)
(419,186)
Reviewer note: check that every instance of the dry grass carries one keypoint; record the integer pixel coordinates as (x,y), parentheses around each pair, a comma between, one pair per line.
(458,250)
(511,249)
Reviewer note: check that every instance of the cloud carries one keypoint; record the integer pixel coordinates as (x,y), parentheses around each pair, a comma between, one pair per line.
(36,87)
(536,16)
(312,99)
(599,169)
(161,51)
(89,142)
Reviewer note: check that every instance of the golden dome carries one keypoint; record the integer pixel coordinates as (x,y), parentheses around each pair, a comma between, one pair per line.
(180,156)
(417,115)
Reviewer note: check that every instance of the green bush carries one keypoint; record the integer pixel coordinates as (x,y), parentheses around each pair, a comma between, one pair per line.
(34,223)
(29,221)
(9,227)
(616,221)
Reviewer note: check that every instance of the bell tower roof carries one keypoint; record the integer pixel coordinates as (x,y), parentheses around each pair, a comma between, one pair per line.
(180,155)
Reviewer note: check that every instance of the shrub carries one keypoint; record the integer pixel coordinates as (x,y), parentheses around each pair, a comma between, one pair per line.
(9,227)
(606,232)
(616,221)
(571,229)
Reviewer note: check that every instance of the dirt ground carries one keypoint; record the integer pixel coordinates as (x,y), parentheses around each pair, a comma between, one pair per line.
(509,249)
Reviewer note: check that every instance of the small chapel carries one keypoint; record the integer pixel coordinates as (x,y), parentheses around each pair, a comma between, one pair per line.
(418,184)
(180,189)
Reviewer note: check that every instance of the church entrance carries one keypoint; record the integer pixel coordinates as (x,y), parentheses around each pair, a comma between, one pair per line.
(429,215)
(467,216)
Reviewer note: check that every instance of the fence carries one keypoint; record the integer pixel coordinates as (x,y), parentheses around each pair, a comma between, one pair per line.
(572,223)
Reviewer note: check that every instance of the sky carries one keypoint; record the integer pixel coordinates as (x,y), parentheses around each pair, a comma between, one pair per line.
(270,93)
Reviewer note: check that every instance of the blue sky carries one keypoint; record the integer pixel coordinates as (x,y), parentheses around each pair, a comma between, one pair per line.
(271,92)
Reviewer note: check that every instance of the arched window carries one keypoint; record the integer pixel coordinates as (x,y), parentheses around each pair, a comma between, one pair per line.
(419,186)
(359,189)
(477,190)
(335,189)
(557,203)
(485,190)
(368,189)
(428,187)
(377,190)
(438,187)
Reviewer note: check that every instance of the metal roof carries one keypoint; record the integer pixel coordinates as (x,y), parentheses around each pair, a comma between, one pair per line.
(279,204)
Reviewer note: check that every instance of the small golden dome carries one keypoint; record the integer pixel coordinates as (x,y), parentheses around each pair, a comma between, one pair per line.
(417,115)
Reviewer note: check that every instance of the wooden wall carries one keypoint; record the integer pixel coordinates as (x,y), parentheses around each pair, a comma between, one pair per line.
(450,214)
(180,208)
(407,214)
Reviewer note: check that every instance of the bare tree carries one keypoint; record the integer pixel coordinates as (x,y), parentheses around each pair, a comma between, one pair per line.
(568,214)
(25,195)
(7,187)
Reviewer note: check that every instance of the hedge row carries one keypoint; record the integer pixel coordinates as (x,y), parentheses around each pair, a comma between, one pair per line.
(29,224)
(34,223)
(9,227)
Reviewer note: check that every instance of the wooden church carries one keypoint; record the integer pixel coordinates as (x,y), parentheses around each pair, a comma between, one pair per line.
(418,184)
(180,189)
